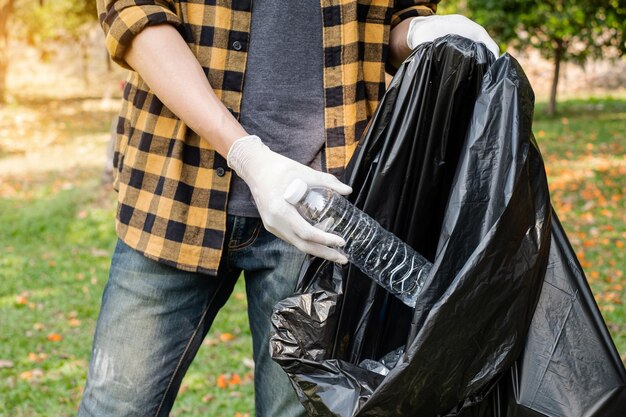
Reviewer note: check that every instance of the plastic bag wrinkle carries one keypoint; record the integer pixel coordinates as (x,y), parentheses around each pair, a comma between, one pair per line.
(506,324)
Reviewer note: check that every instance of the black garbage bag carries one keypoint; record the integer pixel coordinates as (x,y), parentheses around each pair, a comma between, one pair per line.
(505,324)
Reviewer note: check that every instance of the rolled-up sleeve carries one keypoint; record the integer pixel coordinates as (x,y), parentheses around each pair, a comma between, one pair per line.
(122,20)
(404,9)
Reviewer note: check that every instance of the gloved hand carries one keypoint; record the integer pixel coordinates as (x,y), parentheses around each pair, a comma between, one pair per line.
(428,28)
(268,174)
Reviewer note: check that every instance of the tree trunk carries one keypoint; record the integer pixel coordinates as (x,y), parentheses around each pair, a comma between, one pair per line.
(6,7)
(84,49)
(558,57)
(108,61)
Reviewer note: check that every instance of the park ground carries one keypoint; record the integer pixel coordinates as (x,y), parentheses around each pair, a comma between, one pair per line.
(56,237)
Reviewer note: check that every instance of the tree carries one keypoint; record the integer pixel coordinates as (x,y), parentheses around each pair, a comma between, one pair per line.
(6,8)
(561,30)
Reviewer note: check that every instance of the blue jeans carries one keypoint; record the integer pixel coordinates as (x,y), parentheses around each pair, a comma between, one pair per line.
(153,319)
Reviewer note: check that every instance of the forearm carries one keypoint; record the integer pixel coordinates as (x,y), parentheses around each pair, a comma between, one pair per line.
(164,61)
(398,47)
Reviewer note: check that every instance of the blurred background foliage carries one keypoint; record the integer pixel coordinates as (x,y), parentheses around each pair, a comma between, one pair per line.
(42,24)
(560,30)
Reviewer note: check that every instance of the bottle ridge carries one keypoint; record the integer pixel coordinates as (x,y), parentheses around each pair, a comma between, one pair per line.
(379,254)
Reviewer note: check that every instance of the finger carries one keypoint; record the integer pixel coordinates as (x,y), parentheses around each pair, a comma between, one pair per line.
(306,232)
(321,251)
(333,183)
(493,47)
(311,248)
(483,37)
(329,181)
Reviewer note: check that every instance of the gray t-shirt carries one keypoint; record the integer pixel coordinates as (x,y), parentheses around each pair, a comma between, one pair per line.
(283,92)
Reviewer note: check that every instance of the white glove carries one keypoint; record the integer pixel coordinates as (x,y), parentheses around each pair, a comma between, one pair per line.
(268,174)
(428,28)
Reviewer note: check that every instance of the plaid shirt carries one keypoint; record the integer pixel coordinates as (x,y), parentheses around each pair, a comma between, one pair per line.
(172,186)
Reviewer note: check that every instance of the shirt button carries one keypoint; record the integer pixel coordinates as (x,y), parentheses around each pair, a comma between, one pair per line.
(237,46)
(220,172)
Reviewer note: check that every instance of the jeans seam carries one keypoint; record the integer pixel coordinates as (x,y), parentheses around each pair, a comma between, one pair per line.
(250,241)
(182,356)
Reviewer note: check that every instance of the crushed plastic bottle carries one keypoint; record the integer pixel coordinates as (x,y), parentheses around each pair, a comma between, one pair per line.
(379,254)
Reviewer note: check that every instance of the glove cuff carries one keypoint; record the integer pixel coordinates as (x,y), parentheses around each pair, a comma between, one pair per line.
(242,150)
(412,28)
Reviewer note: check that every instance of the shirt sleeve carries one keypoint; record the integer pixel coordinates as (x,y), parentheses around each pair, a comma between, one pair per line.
(404,9)
(122,20)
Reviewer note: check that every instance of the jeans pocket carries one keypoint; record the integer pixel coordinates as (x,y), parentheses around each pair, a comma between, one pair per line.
(245,233)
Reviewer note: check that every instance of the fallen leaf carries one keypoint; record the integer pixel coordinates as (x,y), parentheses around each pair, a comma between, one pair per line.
(37,357)
(99,253)
(210,341)
(226,337)
(6,364)
(54,337)
(222,382)
(234,380)
(28,375)
(607,308)
(74,322)
(248,363)
(613,297)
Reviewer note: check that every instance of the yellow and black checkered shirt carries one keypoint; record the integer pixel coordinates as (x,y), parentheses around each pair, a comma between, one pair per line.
(172,186)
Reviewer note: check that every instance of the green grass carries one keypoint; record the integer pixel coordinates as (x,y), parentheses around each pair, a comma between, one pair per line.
(584,148)
(56,237)
(56,240)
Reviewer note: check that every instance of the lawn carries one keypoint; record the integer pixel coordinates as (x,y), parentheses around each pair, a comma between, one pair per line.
(57,235)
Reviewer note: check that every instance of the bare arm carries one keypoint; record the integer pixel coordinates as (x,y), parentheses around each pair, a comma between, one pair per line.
(398,48)
(164,61)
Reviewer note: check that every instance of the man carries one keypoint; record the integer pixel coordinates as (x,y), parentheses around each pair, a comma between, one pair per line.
(201,195)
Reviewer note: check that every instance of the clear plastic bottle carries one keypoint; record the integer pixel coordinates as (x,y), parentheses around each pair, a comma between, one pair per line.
(378,253)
